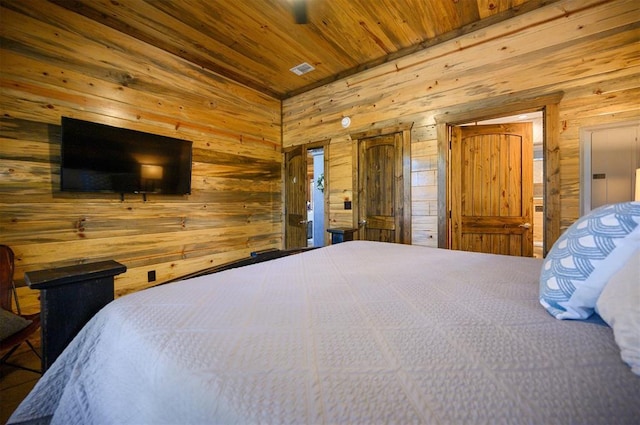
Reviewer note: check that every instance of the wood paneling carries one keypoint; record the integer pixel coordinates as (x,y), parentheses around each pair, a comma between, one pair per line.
(340,166)
(54,63)
(586,49)
(244,40)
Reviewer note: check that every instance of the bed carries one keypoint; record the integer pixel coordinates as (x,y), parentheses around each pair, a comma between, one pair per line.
(358,332)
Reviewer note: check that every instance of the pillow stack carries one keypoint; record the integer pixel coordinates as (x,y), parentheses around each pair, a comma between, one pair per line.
(600,249)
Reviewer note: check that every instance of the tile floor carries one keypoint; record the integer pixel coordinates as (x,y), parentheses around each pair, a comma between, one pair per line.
(15,383)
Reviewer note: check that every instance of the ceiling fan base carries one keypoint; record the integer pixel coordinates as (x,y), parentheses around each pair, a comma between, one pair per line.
(300,11)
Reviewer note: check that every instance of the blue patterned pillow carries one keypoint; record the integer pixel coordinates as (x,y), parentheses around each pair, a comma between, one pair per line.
(584,258)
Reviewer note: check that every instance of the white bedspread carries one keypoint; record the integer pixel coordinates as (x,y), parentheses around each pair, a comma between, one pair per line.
(359,332)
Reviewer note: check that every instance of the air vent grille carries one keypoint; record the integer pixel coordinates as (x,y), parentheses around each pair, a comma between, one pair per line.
(303,68)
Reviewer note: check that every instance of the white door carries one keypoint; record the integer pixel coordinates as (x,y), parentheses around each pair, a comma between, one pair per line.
(615,156)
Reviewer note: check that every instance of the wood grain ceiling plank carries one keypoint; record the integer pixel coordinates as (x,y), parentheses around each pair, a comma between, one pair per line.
(348,24)
(487,8)
(224,25)
(274,34)
(417,23)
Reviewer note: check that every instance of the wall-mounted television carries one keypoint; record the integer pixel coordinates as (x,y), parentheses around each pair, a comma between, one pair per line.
(101,158)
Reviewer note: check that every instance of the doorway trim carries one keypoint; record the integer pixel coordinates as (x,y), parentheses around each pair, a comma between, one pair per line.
(324,143)
(495,108)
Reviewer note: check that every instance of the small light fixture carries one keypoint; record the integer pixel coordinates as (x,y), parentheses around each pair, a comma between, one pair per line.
(346,122)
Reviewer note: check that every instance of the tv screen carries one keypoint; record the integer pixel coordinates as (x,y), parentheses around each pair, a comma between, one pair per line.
(101,158)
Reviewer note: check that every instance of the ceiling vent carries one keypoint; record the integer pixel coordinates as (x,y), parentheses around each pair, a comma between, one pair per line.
(303,68)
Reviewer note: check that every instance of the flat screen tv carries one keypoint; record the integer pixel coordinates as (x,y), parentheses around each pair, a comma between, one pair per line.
(101,158)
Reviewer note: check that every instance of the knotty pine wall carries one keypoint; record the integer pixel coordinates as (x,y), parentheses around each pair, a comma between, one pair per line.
(55,63)
(587,49)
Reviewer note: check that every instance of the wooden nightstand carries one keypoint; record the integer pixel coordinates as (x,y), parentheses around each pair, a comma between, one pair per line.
(341,234)
(69,298)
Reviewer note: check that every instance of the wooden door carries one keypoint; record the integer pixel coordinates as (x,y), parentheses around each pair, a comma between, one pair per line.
(381,188)
(296,197)
(492,189)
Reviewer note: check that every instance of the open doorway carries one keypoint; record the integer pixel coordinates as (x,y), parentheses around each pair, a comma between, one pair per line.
(315,197)
(304,190)
(500,107)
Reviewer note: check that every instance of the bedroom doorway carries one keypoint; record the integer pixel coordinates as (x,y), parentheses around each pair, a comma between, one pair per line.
(546,158)
(304,175)
(492,188)
(315,197)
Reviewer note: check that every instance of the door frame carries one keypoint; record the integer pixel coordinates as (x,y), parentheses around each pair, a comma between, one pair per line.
(498,222)
(324,144)
(405,130)
(494,108)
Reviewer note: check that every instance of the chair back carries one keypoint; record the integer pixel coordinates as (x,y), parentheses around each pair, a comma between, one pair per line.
(6,277)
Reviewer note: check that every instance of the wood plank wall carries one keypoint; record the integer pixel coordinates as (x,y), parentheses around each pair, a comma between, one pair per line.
(587,49)
(55,63)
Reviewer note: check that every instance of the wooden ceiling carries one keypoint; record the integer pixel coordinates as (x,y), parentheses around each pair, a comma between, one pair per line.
(257,42)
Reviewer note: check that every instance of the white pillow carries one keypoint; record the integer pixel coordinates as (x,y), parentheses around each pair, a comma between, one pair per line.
(584,258)
(619,306)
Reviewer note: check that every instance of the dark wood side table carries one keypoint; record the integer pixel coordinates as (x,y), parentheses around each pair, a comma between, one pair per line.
(69,298)
(341,234)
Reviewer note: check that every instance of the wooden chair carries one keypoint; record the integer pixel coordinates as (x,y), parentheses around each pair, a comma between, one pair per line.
(7,291)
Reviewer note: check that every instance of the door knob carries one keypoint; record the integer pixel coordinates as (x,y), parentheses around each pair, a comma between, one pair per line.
(525,225)
(303,222)
(362,222)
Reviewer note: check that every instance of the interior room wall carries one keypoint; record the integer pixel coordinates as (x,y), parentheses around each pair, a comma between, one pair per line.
(56,63)
(585,49)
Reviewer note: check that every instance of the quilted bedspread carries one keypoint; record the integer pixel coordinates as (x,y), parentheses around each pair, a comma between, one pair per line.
(359,332)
